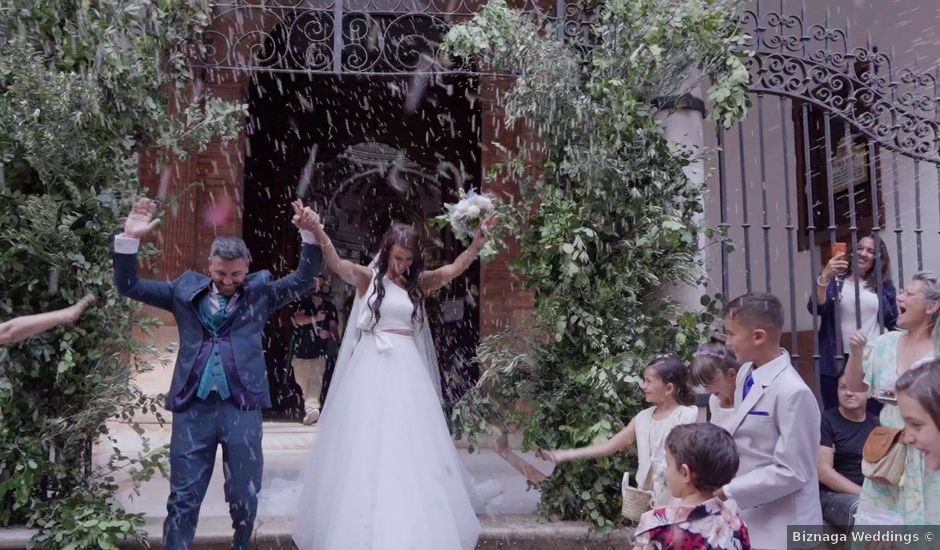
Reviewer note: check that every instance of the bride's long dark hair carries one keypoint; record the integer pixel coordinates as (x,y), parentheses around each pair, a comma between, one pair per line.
(404,236)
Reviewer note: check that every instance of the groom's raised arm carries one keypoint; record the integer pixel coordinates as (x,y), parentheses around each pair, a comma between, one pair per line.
(293,285)
(139,222)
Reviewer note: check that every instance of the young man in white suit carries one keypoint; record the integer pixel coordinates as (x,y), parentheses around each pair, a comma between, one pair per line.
(775,426)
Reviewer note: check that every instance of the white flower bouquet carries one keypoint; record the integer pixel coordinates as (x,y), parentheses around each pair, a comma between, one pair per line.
(466,216)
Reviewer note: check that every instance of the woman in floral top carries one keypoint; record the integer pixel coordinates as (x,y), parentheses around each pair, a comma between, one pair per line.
(876,366)
(700,459)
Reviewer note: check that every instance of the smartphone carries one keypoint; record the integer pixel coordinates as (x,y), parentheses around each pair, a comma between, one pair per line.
(886,397)
(838,248)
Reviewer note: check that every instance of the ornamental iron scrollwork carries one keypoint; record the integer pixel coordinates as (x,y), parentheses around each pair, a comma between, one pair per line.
(817,64)
(377,43)
(353,36)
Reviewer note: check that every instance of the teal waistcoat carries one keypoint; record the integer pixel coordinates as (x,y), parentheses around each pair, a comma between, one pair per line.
(213,376)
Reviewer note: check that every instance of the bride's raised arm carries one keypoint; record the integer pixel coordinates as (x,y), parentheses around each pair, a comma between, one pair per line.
(357,275)
(437,278)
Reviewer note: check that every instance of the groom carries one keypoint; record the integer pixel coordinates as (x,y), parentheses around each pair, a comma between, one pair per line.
(220,381)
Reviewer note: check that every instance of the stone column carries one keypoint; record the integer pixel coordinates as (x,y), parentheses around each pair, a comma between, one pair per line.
(683,124)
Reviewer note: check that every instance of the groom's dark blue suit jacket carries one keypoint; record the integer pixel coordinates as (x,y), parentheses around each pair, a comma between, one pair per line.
(240,336)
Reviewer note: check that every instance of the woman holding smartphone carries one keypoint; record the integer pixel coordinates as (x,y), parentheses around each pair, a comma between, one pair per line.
(875,366)
(836,306)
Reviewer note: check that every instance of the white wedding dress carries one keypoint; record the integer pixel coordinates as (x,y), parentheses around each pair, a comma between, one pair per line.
(384,473)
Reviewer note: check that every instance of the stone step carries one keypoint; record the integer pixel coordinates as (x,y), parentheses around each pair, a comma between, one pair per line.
(524,532)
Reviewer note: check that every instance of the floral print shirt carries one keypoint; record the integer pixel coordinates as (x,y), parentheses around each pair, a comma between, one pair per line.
(711,525)
(917,500)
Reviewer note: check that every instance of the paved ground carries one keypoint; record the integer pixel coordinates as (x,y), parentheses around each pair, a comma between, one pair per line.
(508,518)
(286,447)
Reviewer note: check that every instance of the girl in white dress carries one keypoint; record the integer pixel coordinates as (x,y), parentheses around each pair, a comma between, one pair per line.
(666,386)
(384,473)
(715,367)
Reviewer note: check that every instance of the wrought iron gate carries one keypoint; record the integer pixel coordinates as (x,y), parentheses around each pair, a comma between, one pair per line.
(840,143)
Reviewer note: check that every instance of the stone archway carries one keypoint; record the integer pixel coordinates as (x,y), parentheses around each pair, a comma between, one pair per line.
(371,185)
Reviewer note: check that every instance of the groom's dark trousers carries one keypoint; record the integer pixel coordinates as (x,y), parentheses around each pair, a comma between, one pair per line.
(197,432)
(226,351)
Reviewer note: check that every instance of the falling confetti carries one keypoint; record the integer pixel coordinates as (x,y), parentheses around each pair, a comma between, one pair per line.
(53,280)
(304,184)
(164,183)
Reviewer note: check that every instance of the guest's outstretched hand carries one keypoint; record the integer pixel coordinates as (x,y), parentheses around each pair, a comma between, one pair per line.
(23,327)
(71,313)
(140,221)
(553,456)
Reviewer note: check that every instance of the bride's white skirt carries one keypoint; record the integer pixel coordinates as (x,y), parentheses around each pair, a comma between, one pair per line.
(384,473)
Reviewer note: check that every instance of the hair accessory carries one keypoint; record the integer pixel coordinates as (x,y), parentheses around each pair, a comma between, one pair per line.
(708,353)
(724,354)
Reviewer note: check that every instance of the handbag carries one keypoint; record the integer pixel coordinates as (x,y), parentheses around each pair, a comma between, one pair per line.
(635,500)
(883,456)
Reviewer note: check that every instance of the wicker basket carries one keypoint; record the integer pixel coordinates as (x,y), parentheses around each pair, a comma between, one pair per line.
(635,501)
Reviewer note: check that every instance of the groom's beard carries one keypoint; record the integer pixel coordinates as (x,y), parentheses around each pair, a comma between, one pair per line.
(228,291)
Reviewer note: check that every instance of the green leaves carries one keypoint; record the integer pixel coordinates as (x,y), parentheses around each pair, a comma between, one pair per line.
(200,124)
(85,521)
(85,88)
(608,223)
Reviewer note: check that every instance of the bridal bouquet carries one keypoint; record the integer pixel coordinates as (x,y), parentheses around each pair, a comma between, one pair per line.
(468,213)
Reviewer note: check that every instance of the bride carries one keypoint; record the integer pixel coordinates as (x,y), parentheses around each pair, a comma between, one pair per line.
(384,472)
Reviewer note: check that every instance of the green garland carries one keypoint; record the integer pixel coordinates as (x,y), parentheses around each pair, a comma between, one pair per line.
(608,224)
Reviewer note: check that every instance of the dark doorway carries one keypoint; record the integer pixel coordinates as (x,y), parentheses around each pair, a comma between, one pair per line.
(368,151)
